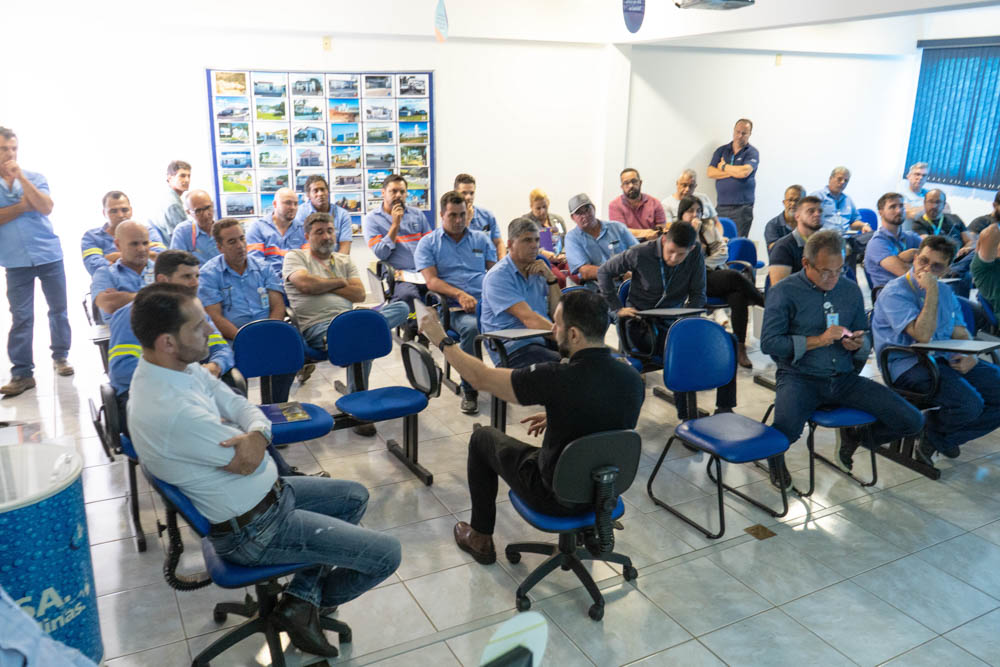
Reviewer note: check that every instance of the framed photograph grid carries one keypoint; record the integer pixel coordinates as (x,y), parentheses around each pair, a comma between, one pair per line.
(274,129)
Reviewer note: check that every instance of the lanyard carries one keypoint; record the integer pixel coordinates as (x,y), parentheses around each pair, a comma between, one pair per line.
(916,291)
(664,280)
(194,235)
(936,228)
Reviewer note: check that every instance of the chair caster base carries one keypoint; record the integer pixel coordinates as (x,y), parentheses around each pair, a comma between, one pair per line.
(523,603)
(513,556)
(630,573)
(596,611)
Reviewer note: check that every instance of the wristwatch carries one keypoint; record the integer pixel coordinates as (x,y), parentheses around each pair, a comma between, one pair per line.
(445,342)
(551,282)
(263,432)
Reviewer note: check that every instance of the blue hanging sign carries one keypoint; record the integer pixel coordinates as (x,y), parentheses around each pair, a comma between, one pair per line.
(634,11)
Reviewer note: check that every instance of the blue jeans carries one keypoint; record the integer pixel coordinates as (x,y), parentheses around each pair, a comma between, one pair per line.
(21,297)
(316,521)
(395,315)
(970,403)
(466,325)
(798,396)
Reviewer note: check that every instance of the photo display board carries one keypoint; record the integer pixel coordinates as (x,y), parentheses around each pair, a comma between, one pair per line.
(274,129)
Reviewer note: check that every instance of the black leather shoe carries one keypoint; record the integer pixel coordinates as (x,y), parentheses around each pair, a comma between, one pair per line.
(301,621)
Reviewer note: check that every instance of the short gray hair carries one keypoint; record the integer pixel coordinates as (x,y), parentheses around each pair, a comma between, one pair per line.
(840,170)
(690,173)
(918,165)
(829,240)
(518,227)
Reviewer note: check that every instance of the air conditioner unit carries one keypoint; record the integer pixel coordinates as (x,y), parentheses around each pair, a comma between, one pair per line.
(713,4)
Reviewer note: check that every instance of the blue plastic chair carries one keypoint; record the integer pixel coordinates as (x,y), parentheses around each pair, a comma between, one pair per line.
(744,250)
(222,573)
(729,229)
(987,310)
(265,348)
(699,355)
(357,336)
(592,471)
(869,217)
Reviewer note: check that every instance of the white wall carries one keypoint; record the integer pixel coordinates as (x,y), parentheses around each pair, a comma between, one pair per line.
(811,113)
(113,104)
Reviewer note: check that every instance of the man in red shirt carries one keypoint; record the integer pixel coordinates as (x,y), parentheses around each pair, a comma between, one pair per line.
(642,214)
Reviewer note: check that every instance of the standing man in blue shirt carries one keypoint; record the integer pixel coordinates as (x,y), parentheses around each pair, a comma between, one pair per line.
(237,288)
(480,219)
(593,242)
(393,231)
(453,260)
(115,285)
(891,250)
(29,249)
(814,324)
(734,168)
(318,201)
(270,237)
(521,291)
(917,308)
(194,235)
(171,209)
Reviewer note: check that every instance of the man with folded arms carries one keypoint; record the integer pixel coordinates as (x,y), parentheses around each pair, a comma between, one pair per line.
(891,249)
(917,308)
(593,241)
(192,431)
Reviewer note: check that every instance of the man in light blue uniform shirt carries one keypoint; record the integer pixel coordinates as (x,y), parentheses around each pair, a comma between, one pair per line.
(839,211)
(392,232)
(192,431)
(115,285)
(453,260)
(236,288)
(29,249)
(891,250)
(593,242)
(271,237)
(171,209)
(194,235)
(521,291)
(318,201)
(917,307)
(480,219)
(98,244)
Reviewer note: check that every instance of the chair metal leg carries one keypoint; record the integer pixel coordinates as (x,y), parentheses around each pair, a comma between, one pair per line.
(679,515)
(588,581)
(133,500)
(901,451)
(667,396)
(447,381)
(542,548)
(234,637)
(408,453)
(246,609)
(814,455)
(498,414)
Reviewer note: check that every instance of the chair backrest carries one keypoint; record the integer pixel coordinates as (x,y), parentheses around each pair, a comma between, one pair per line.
(744,250)
(968,315)
(112,415)
(268,347)
(698,355)
(181,503)
(421,371)
(571,478)
(987,309)
(623,290)
(869,217)
(572,288)
(729,228)
(357,335)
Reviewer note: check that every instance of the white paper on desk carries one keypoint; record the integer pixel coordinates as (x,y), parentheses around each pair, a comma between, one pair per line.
(411,277)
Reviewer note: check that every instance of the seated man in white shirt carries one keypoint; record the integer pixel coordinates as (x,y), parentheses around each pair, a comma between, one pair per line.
(191,430)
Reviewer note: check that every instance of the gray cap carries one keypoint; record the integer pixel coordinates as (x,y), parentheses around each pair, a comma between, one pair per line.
(577,202)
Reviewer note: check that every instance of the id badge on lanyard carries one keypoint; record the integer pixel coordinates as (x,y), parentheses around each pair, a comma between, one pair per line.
(832,317)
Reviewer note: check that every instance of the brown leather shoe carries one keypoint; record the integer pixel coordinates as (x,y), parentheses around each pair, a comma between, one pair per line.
(741,356)
(62,367)
(18,385)
(475,544)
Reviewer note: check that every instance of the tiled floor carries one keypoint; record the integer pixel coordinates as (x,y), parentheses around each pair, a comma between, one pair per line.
(905,572)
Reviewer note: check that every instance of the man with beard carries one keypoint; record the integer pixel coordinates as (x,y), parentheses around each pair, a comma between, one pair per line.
(272,236)
(782,224)
(642,214)
(734,169)
(891,250)
(687,183)
(194,235)
(318,193)
(982,222)
(936,220)
(785,257)
(322,284)
(190,430)
(607,395)
(116,284)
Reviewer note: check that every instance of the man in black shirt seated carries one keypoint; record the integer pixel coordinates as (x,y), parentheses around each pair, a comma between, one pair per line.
(982,222)
(593,392)
(785,256)
(668,272)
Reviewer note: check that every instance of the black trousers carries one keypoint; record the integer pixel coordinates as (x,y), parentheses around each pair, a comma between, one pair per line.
(494,454)
(739,294)
(741,214)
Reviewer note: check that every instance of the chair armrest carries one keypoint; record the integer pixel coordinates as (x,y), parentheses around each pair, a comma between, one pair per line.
(924,359)
(744,267)
(494,342)
(421,371)
(239,382)
(440,301)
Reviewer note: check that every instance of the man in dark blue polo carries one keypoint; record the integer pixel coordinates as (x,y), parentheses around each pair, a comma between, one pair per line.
(782,224)
(814,326)
(734,169)
(453,260)
(891,249)
(785,256)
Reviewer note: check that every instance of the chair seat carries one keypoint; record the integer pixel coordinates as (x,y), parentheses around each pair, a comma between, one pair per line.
(128,449)
(839,417)
(384,403)
(715,302)
(732,437)
(559,524)
(313,355)
(319,424)
(231,575)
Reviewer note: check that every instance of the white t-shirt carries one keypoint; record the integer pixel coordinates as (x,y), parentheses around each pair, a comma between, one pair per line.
(311,309)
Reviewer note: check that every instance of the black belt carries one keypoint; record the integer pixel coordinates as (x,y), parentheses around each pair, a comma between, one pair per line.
(242,520)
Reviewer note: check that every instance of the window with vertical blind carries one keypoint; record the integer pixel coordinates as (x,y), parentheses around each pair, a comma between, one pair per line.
(956,117)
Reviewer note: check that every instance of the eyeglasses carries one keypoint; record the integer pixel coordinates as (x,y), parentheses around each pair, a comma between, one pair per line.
(631,181)
(935,267)
(199,211)
(827,274)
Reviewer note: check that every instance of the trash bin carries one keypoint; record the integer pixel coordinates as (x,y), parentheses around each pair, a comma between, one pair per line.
(44,549)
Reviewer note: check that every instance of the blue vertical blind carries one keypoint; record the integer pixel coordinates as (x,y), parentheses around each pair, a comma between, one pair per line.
(956,118)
